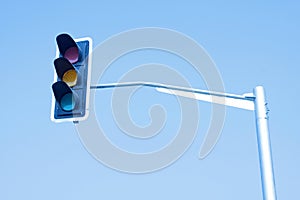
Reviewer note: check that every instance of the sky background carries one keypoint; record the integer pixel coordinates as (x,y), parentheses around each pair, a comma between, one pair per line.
(252,43)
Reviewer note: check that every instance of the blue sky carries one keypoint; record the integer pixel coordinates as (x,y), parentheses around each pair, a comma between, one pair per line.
(252,43)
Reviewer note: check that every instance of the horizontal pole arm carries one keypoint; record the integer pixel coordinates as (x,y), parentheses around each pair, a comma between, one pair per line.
(249,97)
(226,101)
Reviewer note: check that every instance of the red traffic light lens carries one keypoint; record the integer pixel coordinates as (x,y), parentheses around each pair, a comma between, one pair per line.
(72,54)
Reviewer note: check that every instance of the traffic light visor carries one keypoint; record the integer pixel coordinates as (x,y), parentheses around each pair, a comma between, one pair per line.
(68,47)
(64,96)
(65,71)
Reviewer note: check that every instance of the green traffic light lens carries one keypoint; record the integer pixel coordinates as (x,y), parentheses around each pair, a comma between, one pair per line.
(67,102)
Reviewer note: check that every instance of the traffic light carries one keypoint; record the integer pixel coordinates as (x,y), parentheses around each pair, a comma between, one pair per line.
(71,87)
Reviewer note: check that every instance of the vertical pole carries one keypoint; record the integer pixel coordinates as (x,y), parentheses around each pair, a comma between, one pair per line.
(264,145)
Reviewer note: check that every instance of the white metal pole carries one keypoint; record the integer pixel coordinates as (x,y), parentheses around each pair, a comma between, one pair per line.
(264,145)
(261,116)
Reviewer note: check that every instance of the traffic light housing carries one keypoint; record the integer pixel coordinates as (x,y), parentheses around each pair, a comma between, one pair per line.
(71,87)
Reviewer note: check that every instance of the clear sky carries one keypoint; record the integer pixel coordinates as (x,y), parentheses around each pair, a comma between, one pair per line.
(252,43)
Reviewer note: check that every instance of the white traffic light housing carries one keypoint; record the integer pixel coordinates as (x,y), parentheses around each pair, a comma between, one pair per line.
(71,88)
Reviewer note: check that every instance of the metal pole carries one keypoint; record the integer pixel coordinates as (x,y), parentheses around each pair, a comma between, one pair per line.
(261,116)
(264,145)
(170,87)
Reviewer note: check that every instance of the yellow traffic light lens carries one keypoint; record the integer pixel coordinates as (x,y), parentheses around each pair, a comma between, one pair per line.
(70,77)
